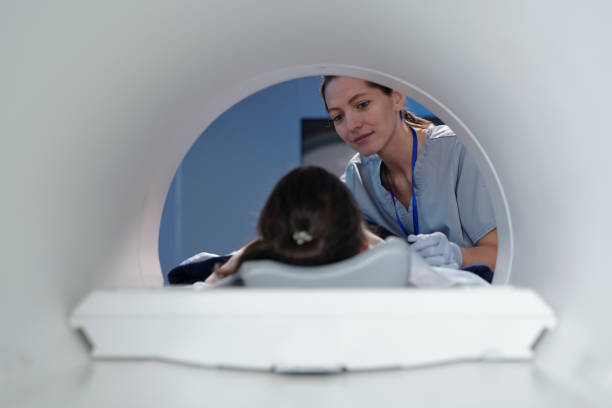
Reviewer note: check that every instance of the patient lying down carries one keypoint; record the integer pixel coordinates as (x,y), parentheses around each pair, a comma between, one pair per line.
(311,218)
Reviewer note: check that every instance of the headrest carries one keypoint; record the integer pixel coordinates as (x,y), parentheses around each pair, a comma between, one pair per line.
(385,265)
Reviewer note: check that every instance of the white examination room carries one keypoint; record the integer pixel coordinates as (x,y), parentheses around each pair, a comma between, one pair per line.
(305,204)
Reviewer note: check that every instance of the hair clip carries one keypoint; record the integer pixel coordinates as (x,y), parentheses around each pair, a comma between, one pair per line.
(302,236)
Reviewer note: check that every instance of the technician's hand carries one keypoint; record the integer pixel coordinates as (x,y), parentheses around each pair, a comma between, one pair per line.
(437,249)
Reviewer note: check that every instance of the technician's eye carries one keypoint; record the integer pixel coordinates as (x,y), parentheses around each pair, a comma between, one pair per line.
(337,118)
(363,105)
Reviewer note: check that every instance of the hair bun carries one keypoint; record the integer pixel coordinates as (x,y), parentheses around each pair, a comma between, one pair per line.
(301,237)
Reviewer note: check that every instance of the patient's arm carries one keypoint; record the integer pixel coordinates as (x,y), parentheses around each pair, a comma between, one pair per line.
(372,238)
(230,266)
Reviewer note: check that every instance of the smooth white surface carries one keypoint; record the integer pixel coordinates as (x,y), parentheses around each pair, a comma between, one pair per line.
(364,328)
(144,383)
(100,101)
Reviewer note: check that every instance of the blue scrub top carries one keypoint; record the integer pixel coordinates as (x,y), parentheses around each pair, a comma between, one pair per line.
(450,191)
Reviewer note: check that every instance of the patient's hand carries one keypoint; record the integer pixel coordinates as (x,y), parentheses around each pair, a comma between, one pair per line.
(230,266)
(213,277)
(372,238)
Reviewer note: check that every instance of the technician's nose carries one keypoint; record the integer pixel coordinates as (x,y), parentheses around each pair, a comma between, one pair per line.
(353,122)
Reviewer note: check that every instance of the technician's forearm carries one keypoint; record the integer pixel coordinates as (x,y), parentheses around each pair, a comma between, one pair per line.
(484,254)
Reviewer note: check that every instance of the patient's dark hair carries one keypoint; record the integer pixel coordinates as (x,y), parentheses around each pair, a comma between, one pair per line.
(412,119)
(308,202)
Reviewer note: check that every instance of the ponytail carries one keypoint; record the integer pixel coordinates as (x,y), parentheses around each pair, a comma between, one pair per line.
(413,120)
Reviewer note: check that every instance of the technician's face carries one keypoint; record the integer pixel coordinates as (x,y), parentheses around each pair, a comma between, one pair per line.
(364,117)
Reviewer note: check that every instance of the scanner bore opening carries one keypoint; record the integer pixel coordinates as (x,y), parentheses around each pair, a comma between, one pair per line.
(260,148)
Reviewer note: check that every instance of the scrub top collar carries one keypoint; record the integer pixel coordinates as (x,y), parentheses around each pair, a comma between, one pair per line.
(384,196)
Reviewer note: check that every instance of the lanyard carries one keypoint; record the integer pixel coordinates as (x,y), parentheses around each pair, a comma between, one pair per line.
(415,213)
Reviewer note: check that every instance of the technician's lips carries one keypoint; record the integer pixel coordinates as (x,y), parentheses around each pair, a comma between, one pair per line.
(362,138)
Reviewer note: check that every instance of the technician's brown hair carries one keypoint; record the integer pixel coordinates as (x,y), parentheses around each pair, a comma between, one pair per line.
(411,119)
(307,202)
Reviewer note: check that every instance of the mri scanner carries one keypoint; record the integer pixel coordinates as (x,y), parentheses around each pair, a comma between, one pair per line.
(100,102)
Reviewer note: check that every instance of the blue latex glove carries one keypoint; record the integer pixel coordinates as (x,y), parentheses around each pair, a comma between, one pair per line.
(437,250)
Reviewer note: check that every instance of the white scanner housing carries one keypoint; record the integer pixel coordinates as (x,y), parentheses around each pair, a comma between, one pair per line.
(99,102)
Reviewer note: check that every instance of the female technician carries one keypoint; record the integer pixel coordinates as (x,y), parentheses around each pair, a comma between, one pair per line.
(410,177)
